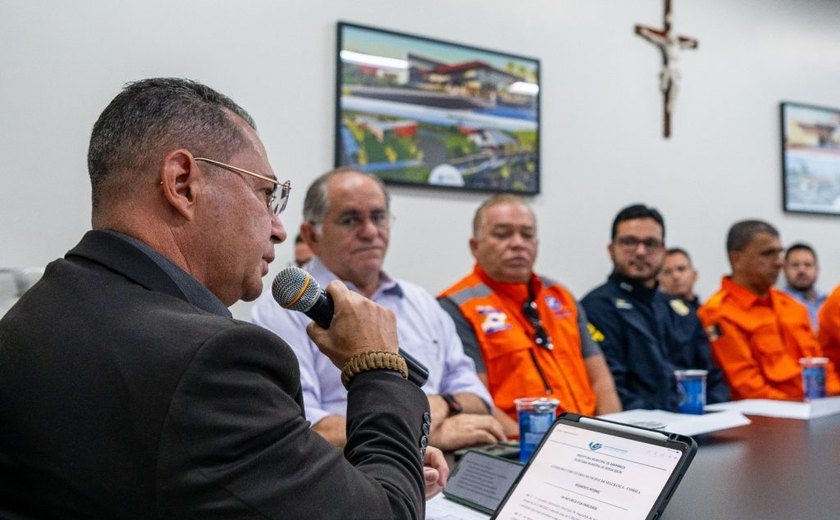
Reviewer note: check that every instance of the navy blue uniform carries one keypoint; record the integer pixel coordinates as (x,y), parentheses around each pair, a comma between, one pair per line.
(645,336)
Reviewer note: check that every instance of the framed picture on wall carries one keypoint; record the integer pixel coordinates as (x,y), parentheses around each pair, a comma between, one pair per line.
(424,112)
(810,158)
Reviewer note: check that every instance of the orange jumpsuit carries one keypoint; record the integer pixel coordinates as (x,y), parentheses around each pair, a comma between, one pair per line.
(758,342)
(516,366)
(829,331)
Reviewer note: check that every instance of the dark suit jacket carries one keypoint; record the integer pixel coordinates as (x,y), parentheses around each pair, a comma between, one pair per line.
(119,399)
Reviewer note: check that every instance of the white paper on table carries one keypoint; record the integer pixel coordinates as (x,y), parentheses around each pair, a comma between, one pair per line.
(785,409)
(441,508)
(685,424)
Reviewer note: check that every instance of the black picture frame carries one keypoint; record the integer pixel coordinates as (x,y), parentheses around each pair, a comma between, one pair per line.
(810,158)
(419,111)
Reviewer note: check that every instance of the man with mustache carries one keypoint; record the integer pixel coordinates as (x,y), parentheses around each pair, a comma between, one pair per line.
(646,335)
(526,333)
(758,332)
(347,224)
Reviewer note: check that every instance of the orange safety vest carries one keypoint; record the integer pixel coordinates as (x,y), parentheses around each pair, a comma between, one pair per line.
(757,342)
(516,366)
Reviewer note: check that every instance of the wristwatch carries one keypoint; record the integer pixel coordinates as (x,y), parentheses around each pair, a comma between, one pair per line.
(454,406)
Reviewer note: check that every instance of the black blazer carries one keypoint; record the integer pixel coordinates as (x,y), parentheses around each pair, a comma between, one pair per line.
(120,399)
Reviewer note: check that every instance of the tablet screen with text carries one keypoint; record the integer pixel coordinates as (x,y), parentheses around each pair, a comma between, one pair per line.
(481,480)
(598,471)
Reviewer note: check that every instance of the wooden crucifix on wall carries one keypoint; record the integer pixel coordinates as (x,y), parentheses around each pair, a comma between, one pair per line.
(669,45)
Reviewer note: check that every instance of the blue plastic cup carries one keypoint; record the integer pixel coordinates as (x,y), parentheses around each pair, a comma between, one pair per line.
(535,417)
(813,377)
(691,388)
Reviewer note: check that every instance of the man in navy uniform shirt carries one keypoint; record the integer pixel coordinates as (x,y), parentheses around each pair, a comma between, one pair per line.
(646,335)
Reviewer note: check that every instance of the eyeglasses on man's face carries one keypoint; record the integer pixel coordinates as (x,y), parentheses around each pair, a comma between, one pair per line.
(630,243)
(353,221)
(276,203)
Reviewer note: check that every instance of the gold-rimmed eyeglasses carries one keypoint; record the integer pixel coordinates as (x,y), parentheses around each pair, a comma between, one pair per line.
(353,221)
(277,202)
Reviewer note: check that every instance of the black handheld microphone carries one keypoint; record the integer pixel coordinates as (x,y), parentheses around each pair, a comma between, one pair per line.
(295,289)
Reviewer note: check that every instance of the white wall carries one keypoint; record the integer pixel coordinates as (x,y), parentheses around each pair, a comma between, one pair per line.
(61,62)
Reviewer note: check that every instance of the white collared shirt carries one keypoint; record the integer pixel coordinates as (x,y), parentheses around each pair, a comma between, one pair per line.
(425,331)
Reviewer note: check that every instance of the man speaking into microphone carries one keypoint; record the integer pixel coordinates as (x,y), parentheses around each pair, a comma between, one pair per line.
(127,390)
(347,224)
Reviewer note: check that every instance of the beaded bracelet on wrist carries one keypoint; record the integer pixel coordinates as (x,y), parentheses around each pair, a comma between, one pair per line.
(373,360)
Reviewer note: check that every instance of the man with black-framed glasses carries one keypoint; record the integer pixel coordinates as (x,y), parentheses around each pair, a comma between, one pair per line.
(646,335)
(525,332)
(127,389)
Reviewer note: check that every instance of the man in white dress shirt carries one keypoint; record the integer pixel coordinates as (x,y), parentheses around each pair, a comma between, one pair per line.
(347,224)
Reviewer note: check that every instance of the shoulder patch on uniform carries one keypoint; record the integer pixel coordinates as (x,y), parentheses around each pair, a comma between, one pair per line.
(597,335)
(713,332)
(621,303)
(679,307)
(494,319)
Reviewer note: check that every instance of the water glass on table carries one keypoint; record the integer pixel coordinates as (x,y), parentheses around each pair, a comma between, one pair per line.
(535,417)
(691,385)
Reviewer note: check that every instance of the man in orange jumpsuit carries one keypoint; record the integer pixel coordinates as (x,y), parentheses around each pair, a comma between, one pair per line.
(526,333)
(829,329)
(758,333)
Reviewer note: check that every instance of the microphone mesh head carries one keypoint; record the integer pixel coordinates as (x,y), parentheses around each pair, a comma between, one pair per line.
(295,289)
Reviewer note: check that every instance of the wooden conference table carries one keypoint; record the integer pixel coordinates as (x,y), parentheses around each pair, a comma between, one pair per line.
(770,469)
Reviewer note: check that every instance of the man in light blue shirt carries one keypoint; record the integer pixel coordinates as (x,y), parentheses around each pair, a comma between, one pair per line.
(347,225)
(801,270)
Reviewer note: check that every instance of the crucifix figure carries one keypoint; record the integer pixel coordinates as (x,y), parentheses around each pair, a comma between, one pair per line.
(670,45)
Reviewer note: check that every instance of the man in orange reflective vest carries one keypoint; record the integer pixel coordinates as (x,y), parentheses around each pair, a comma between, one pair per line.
(526,333)
(758,333)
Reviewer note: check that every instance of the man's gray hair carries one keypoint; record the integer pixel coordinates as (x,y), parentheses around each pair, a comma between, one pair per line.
(316,202)
(154,116)
(495,200)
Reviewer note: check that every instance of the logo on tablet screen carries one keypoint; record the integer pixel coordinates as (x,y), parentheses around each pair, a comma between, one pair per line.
(594,446)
